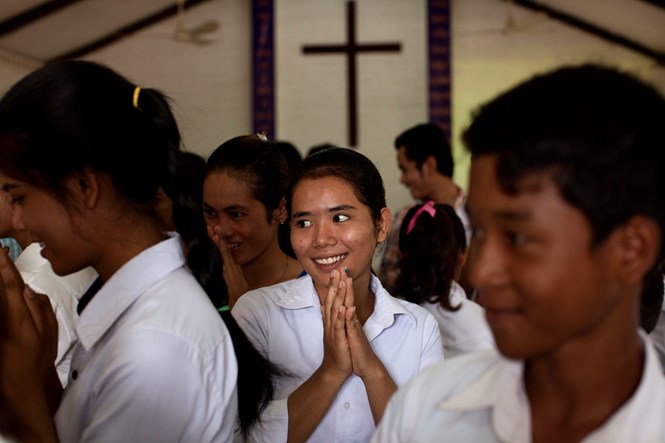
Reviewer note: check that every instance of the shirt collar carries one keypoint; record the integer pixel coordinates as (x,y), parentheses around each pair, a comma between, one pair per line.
(641,413)
(501,388)
(126,286)
(386,309)
(300,293)
(30,257)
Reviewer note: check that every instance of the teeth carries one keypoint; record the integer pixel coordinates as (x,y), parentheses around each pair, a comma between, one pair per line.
(329,260)
(233,245)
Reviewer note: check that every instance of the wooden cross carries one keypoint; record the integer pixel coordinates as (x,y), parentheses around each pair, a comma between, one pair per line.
(351,49)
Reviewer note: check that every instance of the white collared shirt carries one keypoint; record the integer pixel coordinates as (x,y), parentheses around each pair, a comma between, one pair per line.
(481,398)
(464,330)
(154,361)
(657,336)
(284,322)
(63,293)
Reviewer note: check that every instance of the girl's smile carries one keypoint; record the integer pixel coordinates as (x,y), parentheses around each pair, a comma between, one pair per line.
(331,229)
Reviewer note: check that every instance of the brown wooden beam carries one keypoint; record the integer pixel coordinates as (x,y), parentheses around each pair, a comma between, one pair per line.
(32,15)
(593,29)
(125,31)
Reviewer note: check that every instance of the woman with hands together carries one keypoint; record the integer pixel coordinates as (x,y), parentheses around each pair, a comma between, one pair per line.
(346,342)
(243,204)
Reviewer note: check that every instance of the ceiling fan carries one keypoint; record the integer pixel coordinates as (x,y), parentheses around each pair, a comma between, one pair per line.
(513,25)
(196,34)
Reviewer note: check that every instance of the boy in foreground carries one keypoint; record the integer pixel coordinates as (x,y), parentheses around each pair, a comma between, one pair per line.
(567,202)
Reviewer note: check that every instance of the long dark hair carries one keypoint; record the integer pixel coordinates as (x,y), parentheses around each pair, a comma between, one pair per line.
(430,246)
(72,115)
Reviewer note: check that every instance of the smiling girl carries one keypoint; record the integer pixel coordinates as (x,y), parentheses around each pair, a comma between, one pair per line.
(347,342)
(243,203)
(85,155)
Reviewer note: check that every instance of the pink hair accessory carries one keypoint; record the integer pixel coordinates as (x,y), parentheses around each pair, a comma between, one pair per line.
(427,207)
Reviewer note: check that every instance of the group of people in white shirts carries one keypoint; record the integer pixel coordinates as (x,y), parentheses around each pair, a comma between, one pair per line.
(312,345)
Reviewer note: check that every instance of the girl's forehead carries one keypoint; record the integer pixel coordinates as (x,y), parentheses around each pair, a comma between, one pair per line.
(330,184)
(325,191)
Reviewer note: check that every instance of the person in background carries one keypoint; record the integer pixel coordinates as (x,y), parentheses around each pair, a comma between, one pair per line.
(243,204)
(433,250)
(568,216)
(347,343)
(425,160)
(290,153)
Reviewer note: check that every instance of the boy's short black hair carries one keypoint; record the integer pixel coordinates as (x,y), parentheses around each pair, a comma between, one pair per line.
(427,140)
(599,132)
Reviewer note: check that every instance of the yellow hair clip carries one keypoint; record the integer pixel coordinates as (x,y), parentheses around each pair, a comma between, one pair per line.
(135,99)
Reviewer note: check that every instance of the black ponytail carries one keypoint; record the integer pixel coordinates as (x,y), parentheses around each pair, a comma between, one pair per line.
(72,115)
(255,373)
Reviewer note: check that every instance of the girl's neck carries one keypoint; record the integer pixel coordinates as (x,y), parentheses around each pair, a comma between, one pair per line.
(116,250)
(270,268)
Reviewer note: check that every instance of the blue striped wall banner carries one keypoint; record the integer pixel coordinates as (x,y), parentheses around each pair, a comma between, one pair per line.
(438,13)
(263,67)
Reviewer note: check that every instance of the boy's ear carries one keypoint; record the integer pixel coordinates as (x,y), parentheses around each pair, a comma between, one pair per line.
(85,187)
(639,242)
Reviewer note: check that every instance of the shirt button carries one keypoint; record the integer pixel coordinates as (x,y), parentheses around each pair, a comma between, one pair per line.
(75,374)
(347,405)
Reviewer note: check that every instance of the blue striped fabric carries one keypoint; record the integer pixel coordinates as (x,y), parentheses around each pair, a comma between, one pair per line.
(14,248)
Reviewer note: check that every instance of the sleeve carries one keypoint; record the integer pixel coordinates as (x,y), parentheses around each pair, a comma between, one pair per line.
(251,314)
(394,425)
(408,410)
(432,343)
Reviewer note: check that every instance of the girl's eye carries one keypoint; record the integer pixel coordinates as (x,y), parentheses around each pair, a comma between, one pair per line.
(209,212)
(16,200)
(303,223)
(236,214)
(339,218)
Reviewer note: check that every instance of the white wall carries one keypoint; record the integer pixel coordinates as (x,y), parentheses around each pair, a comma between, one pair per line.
(211,84)
(487,61)
(392,87)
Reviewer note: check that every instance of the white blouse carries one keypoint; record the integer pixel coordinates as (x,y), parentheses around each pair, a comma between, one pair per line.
(464,330)
(154,362)
(284,322)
